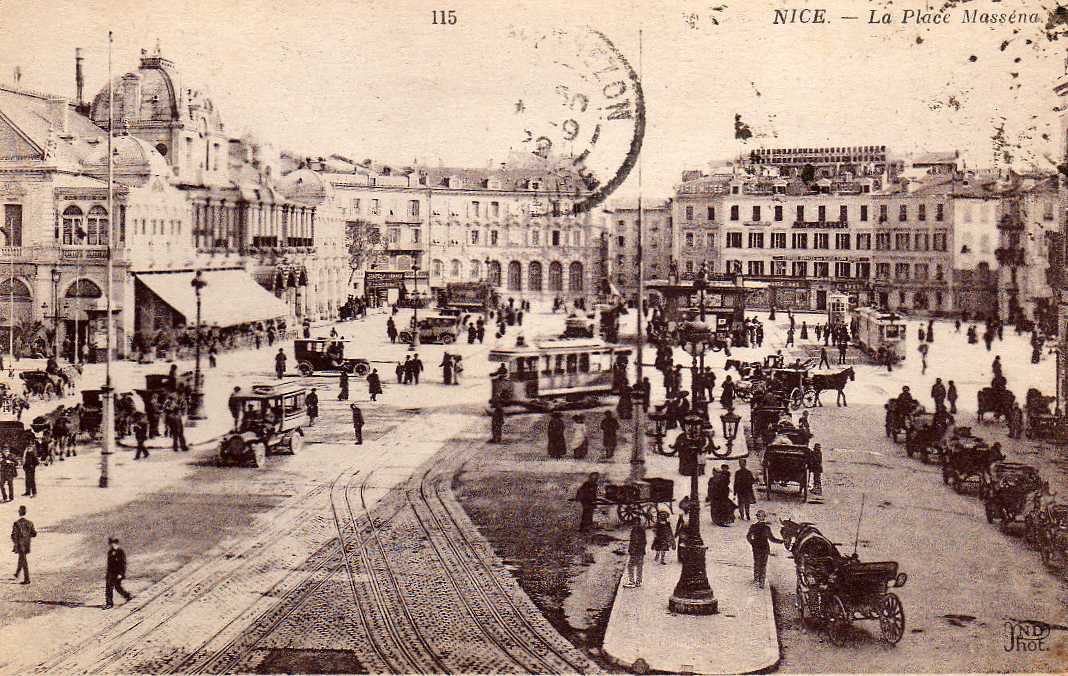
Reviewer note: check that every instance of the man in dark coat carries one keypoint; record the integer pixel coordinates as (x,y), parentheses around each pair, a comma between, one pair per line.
(235,406)
(175,425)
(555,431)
(497,424)
(417,368)
(647,390)
(391,330)
(587,497)
(374,384)
(280,363)
(823,359)
(446,368)
(727,398)
(343,382)
(743,489)
(609,433)
(758,536)
(9,470)
(938,393)
(152,406)
(951,395)
(140,430)
(116,572)
(312,402)
(29,469)
(357,423)
(22,531)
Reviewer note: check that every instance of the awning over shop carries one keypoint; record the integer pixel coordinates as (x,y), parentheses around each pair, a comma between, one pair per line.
(231,297)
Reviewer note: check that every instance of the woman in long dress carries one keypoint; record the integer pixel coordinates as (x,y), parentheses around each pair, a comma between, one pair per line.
(580,443)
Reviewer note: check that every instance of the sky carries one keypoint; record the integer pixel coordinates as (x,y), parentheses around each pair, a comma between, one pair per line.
(380,80)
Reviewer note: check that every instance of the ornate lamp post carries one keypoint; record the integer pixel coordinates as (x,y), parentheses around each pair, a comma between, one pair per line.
(415,308)
(55,310)
(700,284)
(693,595)
(197,409)
(730,421)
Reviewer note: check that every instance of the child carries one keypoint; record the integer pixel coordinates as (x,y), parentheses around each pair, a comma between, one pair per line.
(636,550)
(663,539)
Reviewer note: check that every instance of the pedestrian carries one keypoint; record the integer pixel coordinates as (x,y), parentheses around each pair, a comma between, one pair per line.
(789,337)
(995,367)
(1001,331)
(446,368)
(312,403)
(29,470)
(759,335)
(555,433)
(391,330)
(843,346)
(819,332)
(823,358)
(580,443)
(609,432)
(587,497)
(256,338)
(803,424)
(343,383)
(141,434)
(457,368)
(497,424)
(270,336)
(988,338)
(726,399)
(176,425)
(956,325)
(22,532)
(374,384)
(743,489)
(951,395)
(938,393)
(930,330)
(922,349)
(280,363)
(357,422)
(815,465)
(9,471)
(635,553)
(115,574)
(625,404)
(709,381)
(663,538)
(758,536)
(804,330)
(417,368)
(400,373)
(235,405)
(920,334)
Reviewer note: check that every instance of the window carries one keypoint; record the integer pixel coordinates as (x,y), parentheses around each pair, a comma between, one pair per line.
(778,212)
(734,212)
(821,240)
(689,213)
(800,239)
(72,225)
(843,214)
(454,268)
(920,270)
(863,270)
(903,212)
(413,208)
(495,209)
(755,267)
(778,268)
(556,238)
(689,240)
(356,206)
(922,241)
(711,213)
(734,240)
(882,271)
(475,210)
(939,241)
(864,212)
(374,207)
(394,235)
(534,276)
(921,212)
(417,235)
(841,241)
(901,271)
(778,240)
(494,235)
(732,267)
(820,269)
(756,213)
(939,274)
(474,236)
(940,212)
(841,269)
(710,238)
(882,213)
(800,213)
(756,240)
(821,214)
(799,269)
(901,241)
(97,226)
(621,241)
(882,241)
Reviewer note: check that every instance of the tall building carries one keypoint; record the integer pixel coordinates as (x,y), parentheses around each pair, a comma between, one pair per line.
(825,162)
(621,230)
(1061,152)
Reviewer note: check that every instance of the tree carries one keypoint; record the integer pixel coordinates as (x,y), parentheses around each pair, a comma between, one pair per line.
(808,173)
(364,243)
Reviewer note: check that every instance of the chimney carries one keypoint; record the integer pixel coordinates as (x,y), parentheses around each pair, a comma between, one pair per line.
(79,79)
(58,111)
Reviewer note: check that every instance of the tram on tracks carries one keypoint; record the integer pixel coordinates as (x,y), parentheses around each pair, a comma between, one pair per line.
(557,373)
(879,332)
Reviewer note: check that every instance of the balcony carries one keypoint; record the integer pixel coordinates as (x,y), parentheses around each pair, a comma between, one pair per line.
(758,223)
(1011,256)
(804,225)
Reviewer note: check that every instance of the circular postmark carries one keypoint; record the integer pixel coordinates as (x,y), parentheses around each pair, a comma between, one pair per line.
(580,113)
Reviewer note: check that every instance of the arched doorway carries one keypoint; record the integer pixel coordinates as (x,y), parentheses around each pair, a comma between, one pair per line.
(574,278)
(493,273)
(82,320)
(556,276)
(534,276)
(16,309)
(515,276)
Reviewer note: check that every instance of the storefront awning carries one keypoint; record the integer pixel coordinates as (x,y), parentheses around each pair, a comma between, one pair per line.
(231,297)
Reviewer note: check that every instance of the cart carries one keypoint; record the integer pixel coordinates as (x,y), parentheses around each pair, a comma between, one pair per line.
(784,463)
(965,458)
(1006,494)
(92,413)
(899,418)
(793,385)
(41,384)
(1046,529)
(1042,422)
(639,499)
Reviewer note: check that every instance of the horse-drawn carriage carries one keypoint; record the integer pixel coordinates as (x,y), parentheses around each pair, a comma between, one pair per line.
(640,499)
(92,416)
(42,384)
(764,419)
(786,462)
(273,418)
(1046,529)
(837,590)
(1006,491)
(926,435)
(998,401)
(966,458)
(899,415)
(1042,422)
(15,437)
(793,385)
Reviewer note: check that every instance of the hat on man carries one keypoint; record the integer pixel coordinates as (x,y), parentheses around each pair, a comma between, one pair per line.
(113,541)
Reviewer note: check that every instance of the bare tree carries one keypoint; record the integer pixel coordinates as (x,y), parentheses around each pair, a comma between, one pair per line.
(365,246)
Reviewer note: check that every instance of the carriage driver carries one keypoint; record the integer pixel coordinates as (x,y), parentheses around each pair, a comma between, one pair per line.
(905,402)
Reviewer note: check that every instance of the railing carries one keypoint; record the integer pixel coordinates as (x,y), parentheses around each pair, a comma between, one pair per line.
(10,251)
(821,224)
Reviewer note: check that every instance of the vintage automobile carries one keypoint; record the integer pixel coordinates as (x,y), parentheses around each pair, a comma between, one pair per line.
(328,354)
(837,589)
(1046,529)
(999,402)
(1042,422)
(442,329)
(784,463)
(273,418)
(926,435)
(965,458)
(1006,494)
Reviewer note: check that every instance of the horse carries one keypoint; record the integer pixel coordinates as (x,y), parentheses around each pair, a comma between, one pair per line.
(833,381)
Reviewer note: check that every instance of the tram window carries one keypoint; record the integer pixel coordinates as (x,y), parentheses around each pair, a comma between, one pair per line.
(548,365)
(584,362)
(572,363)
(559,363)
(520,368)
(891,332)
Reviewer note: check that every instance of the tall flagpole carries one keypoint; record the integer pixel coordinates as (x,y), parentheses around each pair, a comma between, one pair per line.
(638,455)
(108,422)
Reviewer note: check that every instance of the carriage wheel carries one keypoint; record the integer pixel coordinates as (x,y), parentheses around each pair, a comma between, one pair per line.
(892,619)
(629,511)
(796,399)
(838,623)
(361,369)
(295,442)
(809,398)
(447,339)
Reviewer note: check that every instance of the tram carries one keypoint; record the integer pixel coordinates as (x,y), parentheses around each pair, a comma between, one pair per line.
(837,309)
(880,331)
(558,372)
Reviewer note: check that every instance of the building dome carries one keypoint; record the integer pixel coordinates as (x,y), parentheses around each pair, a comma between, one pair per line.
(132,157)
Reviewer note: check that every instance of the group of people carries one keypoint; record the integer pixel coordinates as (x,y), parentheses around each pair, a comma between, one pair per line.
(182,342)
(409,370)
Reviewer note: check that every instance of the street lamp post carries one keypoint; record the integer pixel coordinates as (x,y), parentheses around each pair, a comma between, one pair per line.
(55,311)
(196,411)
(693,594)
(730,421)
(700,283)
(415,308)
